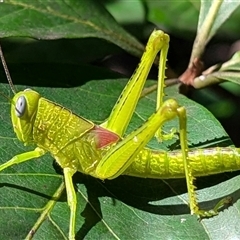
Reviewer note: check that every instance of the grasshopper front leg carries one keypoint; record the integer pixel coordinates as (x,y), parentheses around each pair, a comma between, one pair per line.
(72,200)
(38,152)
(68,173)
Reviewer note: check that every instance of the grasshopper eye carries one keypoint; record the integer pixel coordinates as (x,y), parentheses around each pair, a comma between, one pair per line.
(20,106)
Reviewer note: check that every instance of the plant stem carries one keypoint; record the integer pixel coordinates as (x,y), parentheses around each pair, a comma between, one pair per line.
(203,34)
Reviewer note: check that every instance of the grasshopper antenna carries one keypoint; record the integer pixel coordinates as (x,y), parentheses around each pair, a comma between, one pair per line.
(7,71)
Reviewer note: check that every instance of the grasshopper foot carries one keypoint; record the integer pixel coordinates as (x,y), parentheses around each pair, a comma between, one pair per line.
(213,212)
(168,136)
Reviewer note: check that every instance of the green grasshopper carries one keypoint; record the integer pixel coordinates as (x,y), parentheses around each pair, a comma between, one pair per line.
(78,145)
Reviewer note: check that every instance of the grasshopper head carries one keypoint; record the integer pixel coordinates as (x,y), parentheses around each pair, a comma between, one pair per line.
(23,112)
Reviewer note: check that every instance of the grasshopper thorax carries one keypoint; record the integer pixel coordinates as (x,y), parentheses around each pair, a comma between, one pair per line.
(23,112)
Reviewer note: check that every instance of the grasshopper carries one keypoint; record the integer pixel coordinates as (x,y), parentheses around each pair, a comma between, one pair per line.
(102,151)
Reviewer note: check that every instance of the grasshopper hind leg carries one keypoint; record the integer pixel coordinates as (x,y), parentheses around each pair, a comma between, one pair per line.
(194,206)
(214,211)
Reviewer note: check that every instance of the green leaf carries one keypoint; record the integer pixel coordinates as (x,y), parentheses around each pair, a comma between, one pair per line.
(127,207)
(233,64)
(228,71)
(212,15)
(165,13)
(43,19)
(223,13)
(135,10)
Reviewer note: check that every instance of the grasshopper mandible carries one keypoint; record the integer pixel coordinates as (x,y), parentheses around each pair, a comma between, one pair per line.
(102,151)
